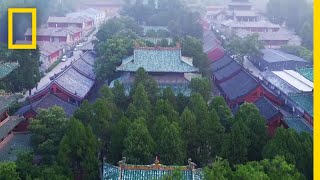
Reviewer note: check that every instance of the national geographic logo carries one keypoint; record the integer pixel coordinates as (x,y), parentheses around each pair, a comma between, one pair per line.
(33,12)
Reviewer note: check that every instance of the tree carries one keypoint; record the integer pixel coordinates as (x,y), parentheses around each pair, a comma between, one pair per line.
(79,150)
(296,148)
(201,86)
(150,85)
(248,46)
(172,147)
(300,51)
(182,100)
(192,47)
(306,33)
(211,135)
(224,112)
(139,145)
(190,133)
(141,102)
(168,94)
(120,98)
(219,169)
(199,107)
(47,131)
(238,137)
(163,107)
(119,133)
(8,171)
(250,115)
(252,171)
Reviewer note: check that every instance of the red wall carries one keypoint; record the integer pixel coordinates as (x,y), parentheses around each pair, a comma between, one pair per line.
(250,97)
(308,118)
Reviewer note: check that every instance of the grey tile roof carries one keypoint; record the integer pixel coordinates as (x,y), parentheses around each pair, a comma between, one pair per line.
(75,83)
(242,13)
(8,125)
(84,67)
(89,46)
(54,32)
(253,24)
(18,143)
(80,19)
(298,124)
(46,48)
(279,83)
(266,108)
(51,100)
(239,85)
(221,63)
(227,71)
(272,55)
(89,57)
(157,60)
(210,42)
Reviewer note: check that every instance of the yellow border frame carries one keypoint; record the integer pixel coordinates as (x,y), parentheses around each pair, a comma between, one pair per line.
(33,12)
(316,130)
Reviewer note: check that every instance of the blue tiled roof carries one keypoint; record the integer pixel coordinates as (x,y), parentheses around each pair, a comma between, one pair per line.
(298,124)
(157,60)
(266,108)
(239,85)
(7,68)
(227,71)
(221,63)
(307,73)
(136,172)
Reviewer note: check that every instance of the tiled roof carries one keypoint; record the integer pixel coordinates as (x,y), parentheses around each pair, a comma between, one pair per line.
(266,108)
(89,57)
(304,100)
(133,172)
(54,32)
(6,101)
(80,19)
(295,79)
(239,85)
(46,48)
(157,60)
(268,36)
(84,67)
(307,73)
(210,42)
(298,124)
(18,143)
(7,68)
(253,24)
(75,83)
(242,13)
(87,46)
(279,83)
(7,125)
(272,56)
(221,63)
(51,100)
(227,71)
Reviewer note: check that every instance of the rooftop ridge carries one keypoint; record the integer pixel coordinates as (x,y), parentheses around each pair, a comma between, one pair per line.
(159,48)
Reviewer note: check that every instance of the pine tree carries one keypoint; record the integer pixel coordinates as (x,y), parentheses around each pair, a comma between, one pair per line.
(224,112)
(79,150)
(141,102)
(139,145)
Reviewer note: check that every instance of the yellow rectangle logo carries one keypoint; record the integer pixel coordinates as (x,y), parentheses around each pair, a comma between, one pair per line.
(33,12)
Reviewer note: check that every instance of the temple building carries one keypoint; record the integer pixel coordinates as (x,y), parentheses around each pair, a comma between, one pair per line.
(165,64)
(154,171)
(13,136)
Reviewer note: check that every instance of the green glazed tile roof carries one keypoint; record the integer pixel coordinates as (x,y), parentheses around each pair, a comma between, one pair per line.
(18,143)
(148,173)
(298,124)
(157,59)
(7,68)
(307,73)
(304,100)
(7,100)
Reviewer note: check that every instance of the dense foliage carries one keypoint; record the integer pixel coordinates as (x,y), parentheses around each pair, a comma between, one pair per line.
(27,75)
(299,51)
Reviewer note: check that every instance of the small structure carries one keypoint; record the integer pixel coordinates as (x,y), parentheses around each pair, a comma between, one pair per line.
(67,35)
(166,65)
(82,22)
(97,15)
(275,60)
(154,171)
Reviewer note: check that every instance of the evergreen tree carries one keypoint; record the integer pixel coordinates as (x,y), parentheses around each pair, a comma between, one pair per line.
(224,112)
(163,107)
(182,101)
(150,85)
(168,94)
(250,115)
(141,102)
(201,86)
(190,133)
(120,98)
(219,169)
(199,107)
(79,150)
(211,133)
(236,143)
(47,131)
(158,126)
(172,147)
(119,133)
(139,145)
